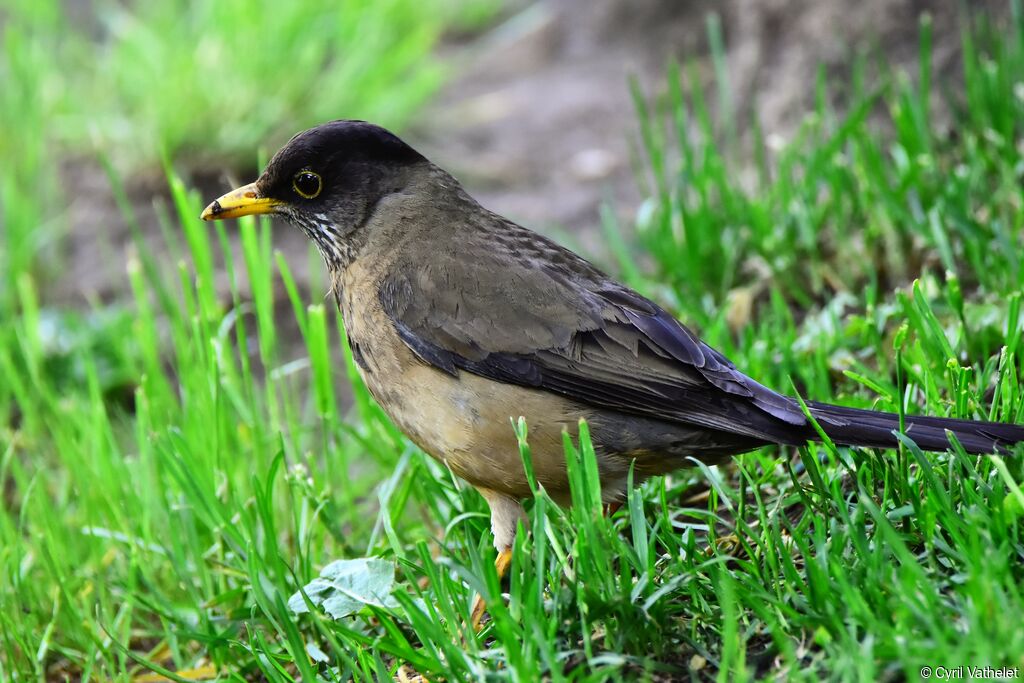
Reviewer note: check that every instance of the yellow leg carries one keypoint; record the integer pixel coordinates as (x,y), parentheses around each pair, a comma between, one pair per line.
(501,565)
(506,513)
(503,562)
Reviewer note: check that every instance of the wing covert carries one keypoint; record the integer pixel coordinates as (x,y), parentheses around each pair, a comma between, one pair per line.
(572,331)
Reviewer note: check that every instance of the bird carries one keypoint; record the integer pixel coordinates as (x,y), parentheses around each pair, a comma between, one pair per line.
(459,319)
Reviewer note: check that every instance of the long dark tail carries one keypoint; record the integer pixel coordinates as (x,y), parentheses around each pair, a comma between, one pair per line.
(855,427)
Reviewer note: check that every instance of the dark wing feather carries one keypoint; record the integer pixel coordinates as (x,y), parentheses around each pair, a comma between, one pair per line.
(550,320)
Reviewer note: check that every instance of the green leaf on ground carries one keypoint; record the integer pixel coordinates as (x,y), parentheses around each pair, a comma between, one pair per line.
(346,586)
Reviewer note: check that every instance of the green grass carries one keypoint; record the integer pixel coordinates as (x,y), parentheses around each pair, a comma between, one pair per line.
(170,478)
(215,79)
(253,71)
(204,83)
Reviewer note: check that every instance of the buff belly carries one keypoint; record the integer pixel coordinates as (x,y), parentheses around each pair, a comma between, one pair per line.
(466,422)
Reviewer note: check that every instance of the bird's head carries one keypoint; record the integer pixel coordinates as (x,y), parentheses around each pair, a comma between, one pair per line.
(326,180)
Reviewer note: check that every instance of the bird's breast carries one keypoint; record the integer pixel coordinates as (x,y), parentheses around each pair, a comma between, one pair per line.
(464,420)
(431,408)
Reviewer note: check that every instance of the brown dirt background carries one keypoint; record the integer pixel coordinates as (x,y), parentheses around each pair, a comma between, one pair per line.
(537,119)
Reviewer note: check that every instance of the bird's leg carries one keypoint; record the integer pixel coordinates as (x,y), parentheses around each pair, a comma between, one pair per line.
(505,514)
(611,508)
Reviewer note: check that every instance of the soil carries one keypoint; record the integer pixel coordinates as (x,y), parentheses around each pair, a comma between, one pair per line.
(538,120)
(541,124)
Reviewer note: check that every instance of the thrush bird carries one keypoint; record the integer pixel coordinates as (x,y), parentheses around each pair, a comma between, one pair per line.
(459,319)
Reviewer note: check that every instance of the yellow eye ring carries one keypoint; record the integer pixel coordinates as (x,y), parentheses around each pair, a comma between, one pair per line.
(307,184)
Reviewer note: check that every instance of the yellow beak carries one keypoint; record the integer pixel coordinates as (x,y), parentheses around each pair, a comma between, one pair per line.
(245,201)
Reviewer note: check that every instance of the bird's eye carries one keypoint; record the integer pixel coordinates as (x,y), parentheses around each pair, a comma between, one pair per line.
(307,184)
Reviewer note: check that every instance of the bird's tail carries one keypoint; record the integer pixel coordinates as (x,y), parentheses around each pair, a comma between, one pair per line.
(855,427)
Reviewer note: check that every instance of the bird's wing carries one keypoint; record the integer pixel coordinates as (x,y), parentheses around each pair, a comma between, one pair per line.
(551,321)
